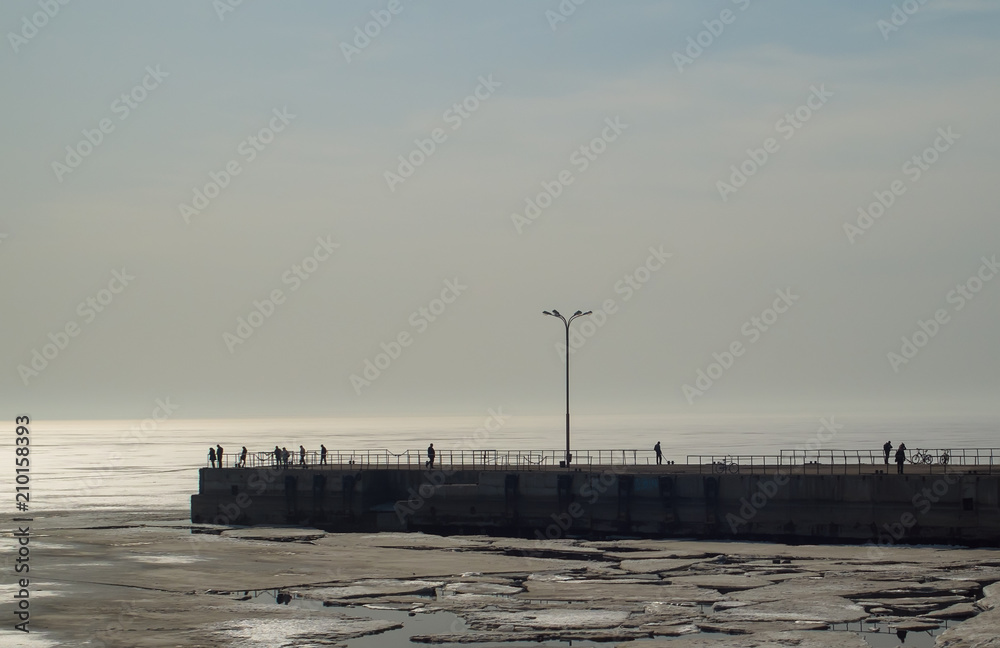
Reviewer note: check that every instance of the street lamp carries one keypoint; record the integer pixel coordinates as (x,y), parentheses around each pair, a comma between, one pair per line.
(555,313)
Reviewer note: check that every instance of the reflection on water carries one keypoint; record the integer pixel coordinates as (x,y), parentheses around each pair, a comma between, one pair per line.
(877,634)
(885,635)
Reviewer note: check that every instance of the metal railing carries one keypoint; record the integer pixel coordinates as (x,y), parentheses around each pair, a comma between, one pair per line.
(736,464)
(478,459)
(828,461)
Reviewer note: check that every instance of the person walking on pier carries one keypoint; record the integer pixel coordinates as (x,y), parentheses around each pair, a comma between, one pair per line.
(243,458)
(322,454)
(211,456)
(430,456)
(900,458)
(302,456)
(218,454)
(659,453)
(887,448)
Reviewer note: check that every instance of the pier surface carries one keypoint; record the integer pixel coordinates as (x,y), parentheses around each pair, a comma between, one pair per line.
(737,499)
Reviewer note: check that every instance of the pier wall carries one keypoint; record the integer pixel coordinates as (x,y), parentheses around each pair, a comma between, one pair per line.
(956,507)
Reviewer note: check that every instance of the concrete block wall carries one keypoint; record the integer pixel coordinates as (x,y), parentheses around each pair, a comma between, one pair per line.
(959,508)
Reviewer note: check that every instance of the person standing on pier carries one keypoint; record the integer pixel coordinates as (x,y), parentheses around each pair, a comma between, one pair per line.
(211,456)
(430,456)
(887,448)
(277,457)
(284,456)
(243,458)
(900,458)
(659,453)
(322,454)
(302,456)
(218,454)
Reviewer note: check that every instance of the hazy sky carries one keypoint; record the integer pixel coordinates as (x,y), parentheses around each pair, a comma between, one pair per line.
(681,168)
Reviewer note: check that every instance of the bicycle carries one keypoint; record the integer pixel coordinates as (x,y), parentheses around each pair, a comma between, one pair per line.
(726,464)
(919,456)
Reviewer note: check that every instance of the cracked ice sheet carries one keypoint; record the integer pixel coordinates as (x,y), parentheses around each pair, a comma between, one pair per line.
(481,588)
(299,633)
(370,588)
(722,582)
(274,534)
(765,640)
(592,590)
(655,565)
(827,609)
(547,619)
(424,541)
(982,631)
(854,586)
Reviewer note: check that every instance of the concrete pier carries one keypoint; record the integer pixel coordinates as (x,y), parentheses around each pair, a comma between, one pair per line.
(807,504)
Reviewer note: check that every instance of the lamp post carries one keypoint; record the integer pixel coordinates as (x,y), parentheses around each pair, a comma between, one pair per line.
(567,322)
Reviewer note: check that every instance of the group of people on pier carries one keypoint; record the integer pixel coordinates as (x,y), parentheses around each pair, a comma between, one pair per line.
(282,457)
(215,456)
(900,456)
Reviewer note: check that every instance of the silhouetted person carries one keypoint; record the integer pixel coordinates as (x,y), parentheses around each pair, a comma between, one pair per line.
(302,456)
(887,448)
(284,456)
(430,456)
(659,453)
(243,457)
(277,456)
(322,454)
(211,456)
(900,458)
(218,454)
